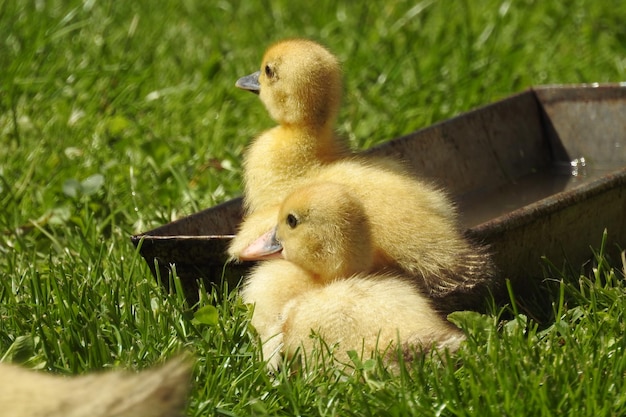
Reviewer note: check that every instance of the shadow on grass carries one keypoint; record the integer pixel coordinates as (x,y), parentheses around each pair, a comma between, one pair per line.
(568,286)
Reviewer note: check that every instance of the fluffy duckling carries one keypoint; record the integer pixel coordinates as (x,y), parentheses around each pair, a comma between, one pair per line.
(413,230)
(413,224)
(300,85)
(322,285)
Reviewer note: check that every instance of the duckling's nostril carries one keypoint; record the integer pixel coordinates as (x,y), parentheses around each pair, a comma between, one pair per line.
(267,246)
(250,83)
(275,243)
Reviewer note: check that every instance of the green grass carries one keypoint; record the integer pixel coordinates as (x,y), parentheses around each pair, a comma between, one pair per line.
(116,117)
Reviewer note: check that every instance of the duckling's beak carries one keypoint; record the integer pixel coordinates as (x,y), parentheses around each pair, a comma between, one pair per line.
(250,83)
(265,247)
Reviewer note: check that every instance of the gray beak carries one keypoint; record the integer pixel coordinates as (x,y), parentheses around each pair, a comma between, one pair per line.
(250,83)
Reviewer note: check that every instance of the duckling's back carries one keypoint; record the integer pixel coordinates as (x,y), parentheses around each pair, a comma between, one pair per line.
(414,229)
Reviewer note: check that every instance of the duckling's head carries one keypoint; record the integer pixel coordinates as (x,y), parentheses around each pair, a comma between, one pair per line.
(322,228)
(299,83)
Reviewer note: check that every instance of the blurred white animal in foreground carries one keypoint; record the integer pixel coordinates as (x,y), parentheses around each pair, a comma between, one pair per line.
(158,392)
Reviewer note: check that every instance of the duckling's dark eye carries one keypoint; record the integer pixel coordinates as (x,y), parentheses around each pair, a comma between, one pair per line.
(269,73)
(292,221)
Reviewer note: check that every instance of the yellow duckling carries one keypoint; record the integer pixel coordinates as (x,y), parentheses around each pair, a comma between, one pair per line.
(322,285)
(413,230)
(300,85)
(413,224)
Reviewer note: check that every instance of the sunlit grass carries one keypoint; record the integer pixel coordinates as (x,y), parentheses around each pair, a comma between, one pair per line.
(116,117)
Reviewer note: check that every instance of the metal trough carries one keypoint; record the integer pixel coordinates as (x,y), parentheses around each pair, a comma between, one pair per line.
(541,173)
